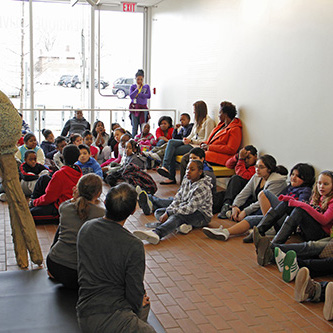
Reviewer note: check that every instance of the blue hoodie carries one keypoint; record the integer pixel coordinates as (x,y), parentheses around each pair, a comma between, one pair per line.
(91,166)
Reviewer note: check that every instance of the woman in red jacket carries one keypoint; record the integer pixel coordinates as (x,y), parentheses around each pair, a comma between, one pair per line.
(226,137)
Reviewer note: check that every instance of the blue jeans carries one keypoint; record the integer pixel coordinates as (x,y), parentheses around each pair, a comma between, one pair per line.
(160,143)
(254,220)
(197,220)
(175,147)
(159,202)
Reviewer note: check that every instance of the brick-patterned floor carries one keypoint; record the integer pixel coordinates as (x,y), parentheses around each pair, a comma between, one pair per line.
(201,285)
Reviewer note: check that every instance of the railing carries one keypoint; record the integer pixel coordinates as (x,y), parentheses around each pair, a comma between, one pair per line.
(41,114)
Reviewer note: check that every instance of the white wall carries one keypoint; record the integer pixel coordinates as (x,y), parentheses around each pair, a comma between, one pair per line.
(272,59)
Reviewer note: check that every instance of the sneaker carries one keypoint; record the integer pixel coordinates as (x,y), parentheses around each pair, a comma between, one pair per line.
(328,305)
(248,238)
(256,237)
(264,252)
(216,233)
(155,156)
(138,190)
(228,214)
(304,287)
(279,258)
(3,197)
(290,266)
(149,236)
(224,210)
(144,203)
(185,228)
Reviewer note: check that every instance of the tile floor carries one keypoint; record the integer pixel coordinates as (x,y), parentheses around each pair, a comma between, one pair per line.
(201,285)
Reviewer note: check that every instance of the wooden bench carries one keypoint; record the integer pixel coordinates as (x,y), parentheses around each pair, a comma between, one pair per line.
(219,171)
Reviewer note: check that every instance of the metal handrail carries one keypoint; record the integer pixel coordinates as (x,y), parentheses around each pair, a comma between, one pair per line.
(38,110)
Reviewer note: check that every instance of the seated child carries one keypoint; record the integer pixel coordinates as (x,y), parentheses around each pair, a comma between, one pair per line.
(86,205)
(111,268)
(184,128)
(164,130)
(88,164)
(58,158)
(191,207)
(30,143)
(30,172)
(149,203)
(76,139)
(112,142)
(101,139)
(49,193)
(49,148)
(307,289)
(88,140)
(118,133)
(145,139)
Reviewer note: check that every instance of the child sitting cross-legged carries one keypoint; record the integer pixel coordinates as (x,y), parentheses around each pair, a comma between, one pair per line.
(145,139)
(88,140)
(58,158)
(30,143)
(87,163)
(111,268)
(30,171)
(86,205)
(49,192)
(191,207)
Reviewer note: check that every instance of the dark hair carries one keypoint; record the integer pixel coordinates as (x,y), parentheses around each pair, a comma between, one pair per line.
(28,152)
(120,129)
(86,133)
(167,119)
(73,137)
(270,163)
(229,109)
(88,187)
(94,133)
(186,115)
(197,152)
(120,202)
(59,139)
(199,166)
(140,72)
(28,136)
(200,112)
(71,154)
(134,144)
(126,135)
(306,172)
(253,150)
(83,146)
(46,132)
(113,125)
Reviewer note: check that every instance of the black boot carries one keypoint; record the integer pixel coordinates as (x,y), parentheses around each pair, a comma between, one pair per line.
(288,227)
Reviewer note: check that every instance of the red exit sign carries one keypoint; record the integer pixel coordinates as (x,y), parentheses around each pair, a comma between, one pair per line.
(129,6)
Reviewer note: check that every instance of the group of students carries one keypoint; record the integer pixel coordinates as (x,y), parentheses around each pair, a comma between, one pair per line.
(106,262)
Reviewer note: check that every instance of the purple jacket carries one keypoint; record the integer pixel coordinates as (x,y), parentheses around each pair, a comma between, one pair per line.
(142,97)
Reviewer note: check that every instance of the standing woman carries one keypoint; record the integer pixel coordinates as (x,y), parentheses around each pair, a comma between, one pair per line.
(139,94)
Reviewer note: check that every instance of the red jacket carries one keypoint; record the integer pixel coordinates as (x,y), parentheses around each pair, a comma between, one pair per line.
(225,143)
(60,187)
(159,133)
(240,168)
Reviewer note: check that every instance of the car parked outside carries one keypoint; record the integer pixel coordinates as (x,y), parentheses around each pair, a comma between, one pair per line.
(76,82)
(65,81)
(121,87)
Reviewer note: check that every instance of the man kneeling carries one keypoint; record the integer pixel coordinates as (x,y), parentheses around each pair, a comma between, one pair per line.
(111,267)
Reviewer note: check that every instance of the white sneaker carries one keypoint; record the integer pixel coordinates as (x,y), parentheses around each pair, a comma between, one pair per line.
(144,203)
(155,156)
(290,266)
(149,236)
(138,190)
(328,305)
(216,233)
(185,228)
(3,197)
(279,258)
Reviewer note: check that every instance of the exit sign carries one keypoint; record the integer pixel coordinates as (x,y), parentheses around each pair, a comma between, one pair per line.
(129,6)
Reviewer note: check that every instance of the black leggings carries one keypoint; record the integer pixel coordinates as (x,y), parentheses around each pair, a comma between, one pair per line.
(65,275)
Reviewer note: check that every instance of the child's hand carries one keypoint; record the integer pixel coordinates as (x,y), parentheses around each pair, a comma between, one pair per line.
(145,300)
(241,216)
(235,212)
(186,141)
(164,217)
(243,154)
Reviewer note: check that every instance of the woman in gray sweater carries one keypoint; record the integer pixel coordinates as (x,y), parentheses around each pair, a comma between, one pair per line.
(86,205)
(246,207)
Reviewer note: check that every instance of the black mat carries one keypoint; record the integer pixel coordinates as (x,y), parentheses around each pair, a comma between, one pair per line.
(31,302)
